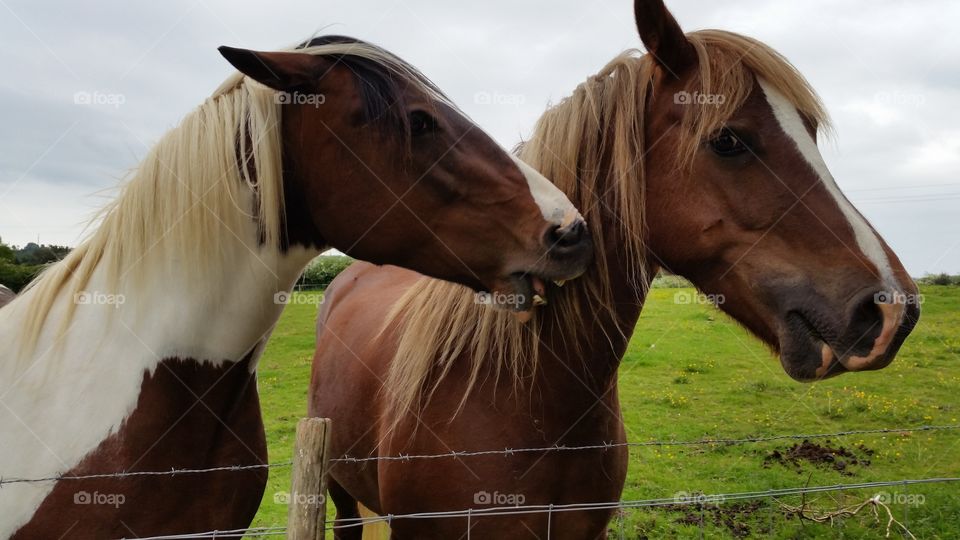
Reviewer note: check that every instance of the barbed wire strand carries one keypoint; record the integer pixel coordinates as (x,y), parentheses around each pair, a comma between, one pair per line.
(229,468)
(605,446)
(232,533)
(506,451)
(646,503)
(550,508)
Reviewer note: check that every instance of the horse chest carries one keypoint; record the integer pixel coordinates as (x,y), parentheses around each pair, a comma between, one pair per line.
(189,415)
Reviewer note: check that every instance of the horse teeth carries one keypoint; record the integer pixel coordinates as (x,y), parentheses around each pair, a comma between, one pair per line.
(539,300)
(559,282)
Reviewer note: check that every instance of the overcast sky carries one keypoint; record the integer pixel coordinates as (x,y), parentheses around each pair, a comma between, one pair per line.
(889,71)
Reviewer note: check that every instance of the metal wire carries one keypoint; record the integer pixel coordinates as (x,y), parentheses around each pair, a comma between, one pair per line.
(505,452)
(232,533)
(57,478)
(606,446)
(551,508)
(646,503)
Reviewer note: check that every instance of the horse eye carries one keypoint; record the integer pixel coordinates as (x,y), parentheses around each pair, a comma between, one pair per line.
(421,123)
(727,144)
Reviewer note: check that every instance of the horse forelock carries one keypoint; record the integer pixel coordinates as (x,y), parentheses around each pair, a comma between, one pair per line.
(591,145)
(382,79)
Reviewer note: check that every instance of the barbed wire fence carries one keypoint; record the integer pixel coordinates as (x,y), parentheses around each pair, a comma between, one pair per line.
(505,451)
(696,501)
(171,472)
(700,500)
(664,443)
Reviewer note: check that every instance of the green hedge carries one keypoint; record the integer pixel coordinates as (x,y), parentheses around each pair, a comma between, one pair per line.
(669,281)
(17,276)
(321,271)
(318,274)
(939,279)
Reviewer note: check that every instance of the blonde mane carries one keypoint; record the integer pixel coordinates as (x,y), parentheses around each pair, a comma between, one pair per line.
(591,145)
(206,180)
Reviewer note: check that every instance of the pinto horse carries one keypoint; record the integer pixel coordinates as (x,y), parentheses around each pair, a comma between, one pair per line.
(138,351)
(727,189)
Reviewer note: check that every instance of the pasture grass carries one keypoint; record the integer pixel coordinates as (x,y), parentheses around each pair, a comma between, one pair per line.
(692,373)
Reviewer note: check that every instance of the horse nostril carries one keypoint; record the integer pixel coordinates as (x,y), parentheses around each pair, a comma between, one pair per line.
(877,329)
(866,323)
(569,236)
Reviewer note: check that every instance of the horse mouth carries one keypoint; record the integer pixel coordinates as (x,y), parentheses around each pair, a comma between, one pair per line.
(805,350)
(521,293)
(863,334)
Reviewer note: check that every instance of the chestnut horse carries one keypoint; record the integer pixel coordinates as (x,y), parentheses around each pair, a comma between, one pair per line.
(699,157)
(138,351)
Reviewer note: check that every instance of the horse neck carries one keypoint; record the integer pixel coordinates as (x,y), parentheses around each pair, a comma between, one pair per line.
(593,354)
(162,309)
(241,306)
(224,314)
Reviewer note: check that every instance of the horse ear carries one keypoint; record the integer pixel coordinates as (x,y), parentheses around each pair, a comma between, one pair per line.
(278,70)
(663,37)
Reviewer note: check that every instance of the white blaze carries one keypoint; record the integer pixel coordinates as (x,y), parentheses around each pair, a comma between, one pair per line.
(554,205)
(793,126)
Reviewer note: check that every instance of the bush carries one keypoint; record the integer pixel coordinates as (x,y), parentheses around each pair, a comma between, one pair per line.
(939,279)
(321,271)
(669,281)
(15,276)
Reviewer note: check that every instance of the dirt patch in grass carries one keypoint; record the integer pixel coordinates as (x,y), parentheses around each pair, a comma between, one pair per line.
(840,459)
(734,516)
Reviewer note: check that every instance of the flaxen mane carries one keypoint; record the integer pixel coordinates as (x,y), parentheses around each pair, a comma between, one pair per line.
(206,179)
(591,145)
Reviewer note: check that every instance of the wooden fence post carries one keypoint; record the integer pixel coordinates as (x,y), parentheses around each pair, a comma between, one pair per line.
(306,515)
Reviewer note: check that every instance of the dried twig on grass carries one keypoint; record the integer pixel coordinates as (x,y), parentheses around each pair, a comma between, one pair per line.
(875,503)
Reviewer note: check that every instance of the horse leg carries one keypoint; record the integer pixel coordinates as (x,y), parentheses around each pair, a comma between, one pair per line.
(346,509)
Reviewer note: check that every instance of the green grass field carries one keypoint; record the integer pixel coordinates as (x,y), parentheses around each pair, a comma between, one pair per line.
(691,373)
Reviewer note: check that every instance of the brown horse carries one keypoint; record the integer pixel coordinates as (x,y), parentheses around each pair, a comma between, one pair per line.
(138,351)
(698,157)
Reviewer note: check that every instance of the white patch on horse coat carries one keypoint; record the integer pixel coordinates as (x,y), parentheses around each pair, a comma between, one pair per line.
(554,205)
(867,239)
(73,394)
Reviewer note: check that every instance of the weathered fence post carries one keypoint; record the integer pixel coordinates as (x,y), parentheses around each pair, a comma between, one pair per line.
(306,515)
